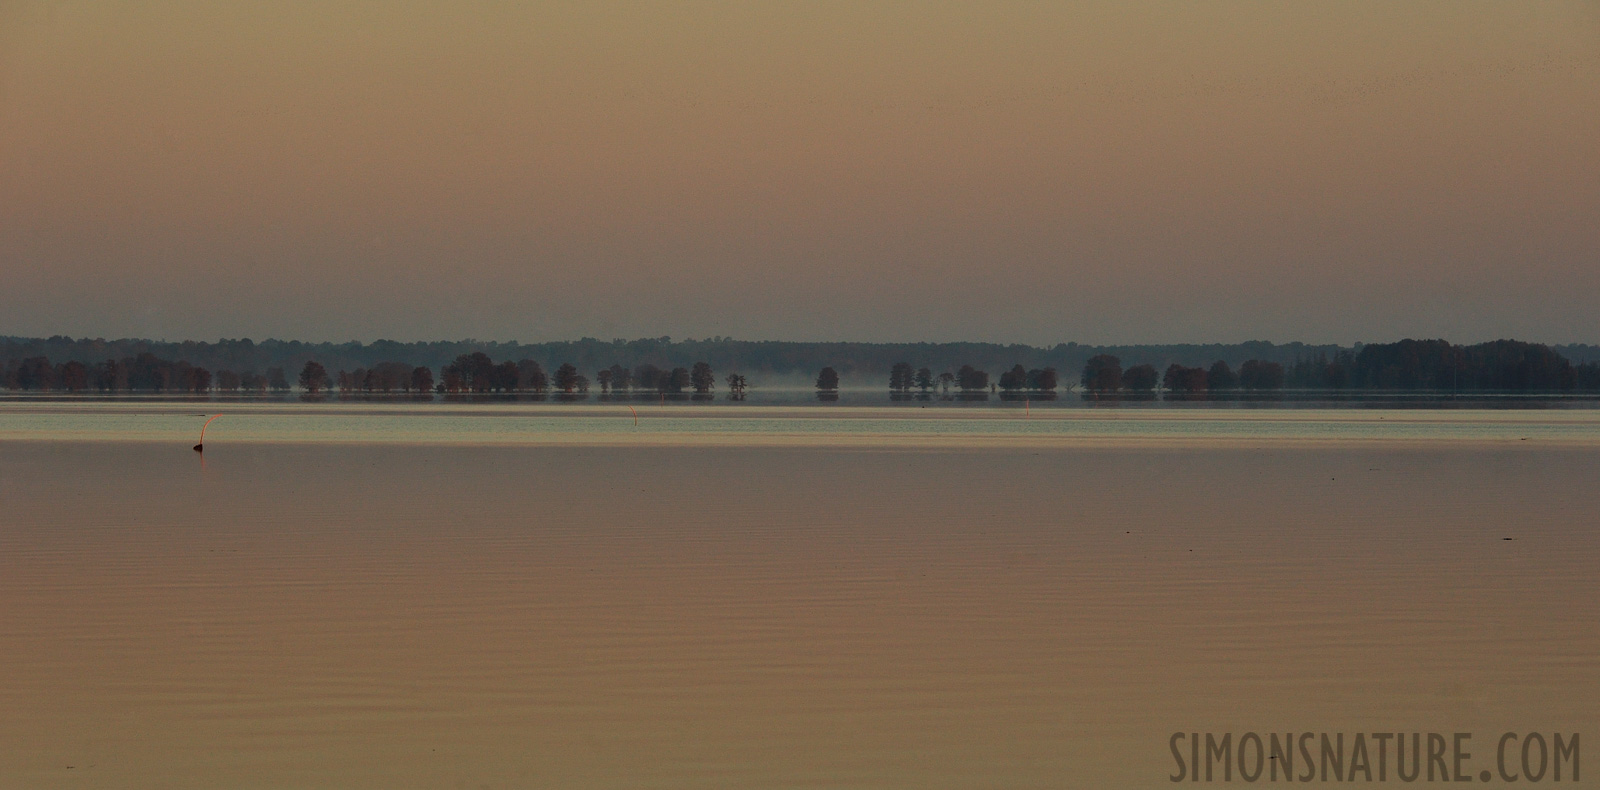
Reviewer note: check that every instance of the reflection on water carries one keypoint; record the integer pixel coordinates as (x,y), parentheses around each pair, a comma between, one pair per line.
(874,397)
(683,424)
(434,615)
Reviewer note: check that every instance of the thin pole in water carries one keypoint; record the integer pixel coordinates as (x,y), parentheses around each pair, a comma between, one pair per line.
(201,447)
(635,416)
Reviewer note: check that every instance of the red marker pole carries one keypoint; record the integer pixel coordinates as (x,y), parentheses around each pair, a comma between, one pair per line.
(201,447)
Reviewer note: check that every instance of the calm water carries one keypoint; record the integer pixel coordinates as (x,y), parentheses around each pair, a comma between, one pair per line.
(379,596)
(643,424)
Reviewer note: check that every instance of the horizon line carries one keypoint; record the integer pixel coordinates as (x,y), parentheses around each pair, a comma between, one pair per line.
(729,339)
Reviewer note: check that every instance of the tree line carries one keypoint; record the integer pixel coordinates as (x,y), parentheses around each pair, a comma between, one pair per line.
(1104,373)
(477,372)
(1422,365)
(145,372)
(857,363)
(903,379)
(468,373)
(1429,365)
(1418,365)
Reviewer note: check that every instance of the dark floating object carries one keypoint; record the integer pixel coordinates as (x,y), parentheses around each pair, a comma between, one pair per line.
(1508,538)
(201,447)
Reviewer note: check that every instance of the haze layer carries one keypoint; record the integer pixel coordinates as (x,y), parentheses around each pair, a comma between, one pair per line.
(872,171)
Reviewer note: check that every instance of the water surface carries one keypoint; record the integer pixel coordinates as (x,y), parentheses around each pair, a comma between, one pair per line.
(521,423)
(378,598)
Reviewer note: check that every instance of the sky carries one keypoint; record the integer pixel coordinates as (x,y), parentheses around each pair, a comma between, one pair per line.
(1026,172)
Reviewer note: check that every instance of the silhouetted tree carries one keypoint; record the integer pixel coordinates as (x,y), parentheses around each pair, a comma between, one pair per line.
(1436,364)
(1140,378)
(506,377)
(421,379)
(900,377)
(1337,373)
(454,377)
(737,386)
(313,377)
(1408,364)
(1181,379)
(227,381)
(1258,375)
(1515,365)
(389,376)
(199,380)
(145,372)
(36,373)
(648,377)
(177,376)
(566,378)
(1014,379)
(621,379)
(1102,373)
(1586,377)
(604,377)
(530,376)
(250,381)
(1317,371)
(678,380)
(277,382)
(828,380)
(945,380)
(924,379)
(110,376)
(73,376)
(701,378)
(1221,377)
(475,372)
(970,379)
(1042,380)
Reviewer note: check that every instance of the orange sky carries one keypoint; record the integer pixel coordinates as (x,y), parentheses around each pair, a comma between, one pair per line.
(1016,172)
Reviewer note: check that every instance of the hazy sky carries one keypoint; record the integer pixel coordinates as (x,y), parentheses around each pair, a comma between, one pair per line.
(1030,172)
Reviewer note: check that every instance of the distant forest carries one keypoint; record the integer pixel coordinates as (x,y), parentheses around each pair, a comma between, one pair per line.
(661,364)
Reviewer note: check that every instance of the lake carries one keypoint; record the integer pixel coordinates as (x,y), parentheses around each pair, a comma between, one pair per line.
(396,595)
